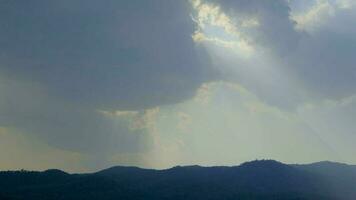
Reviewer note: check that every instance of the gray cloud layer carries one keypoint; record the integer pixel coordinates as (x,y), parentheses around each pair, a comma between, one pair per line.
(113,54)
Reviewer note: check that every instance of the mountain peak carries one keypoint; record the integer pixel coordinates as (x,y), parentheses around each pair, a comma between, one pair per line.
(55,171)
(263,163)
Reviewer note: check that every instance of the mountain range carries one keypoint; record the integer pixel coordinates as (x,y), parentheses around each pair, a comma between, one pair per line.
(260,179)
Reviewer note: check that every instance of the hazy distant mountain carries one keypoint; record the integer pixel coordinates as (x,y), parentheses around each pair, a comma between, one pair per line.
(266,179)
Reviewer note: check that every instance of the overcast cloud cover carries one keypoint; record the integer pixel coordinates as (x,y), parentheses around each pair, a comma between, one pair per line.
(165,82)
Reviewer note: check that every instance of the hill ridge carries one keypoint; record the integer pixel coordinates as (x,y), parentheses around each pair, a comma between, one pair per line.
(258,179)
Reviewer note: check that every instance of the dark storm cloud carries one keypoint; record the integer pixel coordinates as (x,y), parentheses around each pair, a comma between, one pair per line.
(62,61)
(109,54)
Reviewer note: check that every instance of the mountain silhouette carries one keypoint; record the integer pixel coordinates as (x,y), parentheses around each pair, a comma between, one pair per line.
(260,179)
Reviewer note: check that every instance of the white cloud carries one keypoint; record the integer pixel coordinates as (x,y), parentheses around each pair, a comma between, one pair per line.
(214,26)
(315,16)
(312,18)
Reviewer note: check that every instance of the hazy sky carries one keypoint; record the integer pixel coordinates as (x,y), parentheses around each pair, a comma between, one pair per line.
(87,84)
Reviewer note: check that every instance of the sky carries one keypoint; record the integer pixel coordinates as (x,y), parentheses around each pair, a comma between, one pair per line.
(88,84)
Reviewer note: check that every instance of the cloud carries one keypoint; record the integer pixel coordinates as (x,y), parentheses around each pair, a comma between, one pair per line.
(161,83)
(88,76)
(318,14)
(216,27)
(112,54)
(315,16)
(270,20)
(289,64)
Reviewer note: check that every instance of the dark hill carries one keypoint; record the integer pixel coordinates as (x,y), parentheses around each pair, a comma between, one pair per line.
(266,179)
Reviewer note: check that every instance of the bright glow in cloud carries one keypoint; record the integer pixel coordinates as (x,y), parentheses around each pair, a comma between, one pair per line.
(314,17)
(214,26)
